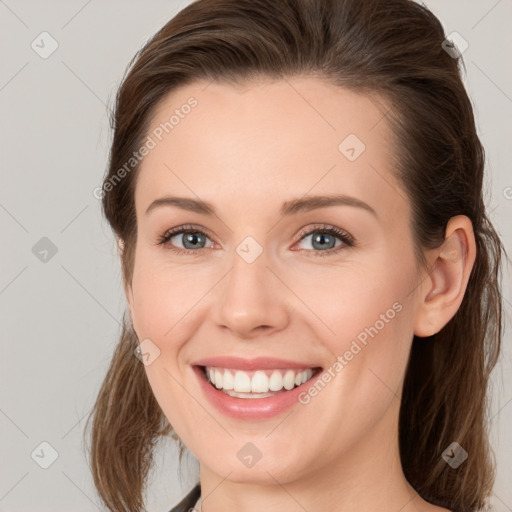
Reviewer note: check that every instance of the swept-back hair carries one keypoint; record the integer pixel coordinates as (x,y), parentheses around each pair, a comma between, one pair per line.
(392,48)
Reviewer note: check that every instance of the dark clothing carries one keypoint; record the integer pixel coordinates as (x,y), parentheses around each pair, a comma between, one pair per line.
(188,501)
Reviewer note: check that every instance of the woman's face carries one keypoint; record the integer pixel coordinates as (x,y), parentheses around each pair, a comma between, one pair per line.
(263,279)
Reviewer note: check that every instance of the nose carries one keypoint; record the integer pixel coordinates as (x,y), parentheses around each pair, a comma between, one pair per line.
(251,300)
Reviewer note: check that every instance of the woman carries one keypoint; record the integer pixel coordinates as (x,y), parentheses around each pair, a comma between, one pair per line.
(312,280)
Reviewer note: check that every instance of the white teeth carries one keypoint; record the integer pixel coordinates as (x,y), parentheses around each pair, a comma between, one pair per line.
(242,382)
(276,381)
(261,382)
(218,379)
(289,380)
(248,395)
(228,381)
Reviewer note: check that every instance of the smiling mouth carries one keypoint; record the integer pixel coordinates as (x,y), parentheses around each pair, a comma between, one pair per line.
(257,383)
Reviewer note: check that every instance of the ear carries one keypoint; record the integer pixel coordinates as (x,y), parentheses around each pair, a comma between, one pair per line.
(127,287)
(443,289)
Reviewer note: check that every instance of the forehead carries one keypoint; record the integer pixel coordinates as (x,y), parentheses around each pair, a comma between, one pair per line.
(263,142)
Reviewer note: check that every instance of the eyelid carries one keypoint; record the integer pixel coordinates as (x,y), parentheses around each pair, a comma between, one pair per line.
(346,238)
(179,230)
(339,232)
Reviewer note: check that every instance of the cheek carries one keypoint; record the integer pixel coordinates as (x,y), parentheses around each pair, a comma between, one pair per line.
(361,307)
(162,297)
(167,308)
(372,322)
(149,305)
(368,373)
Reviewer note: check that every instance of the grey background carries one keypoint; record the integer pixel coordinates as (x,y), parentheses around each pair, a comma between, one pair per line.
(60,317)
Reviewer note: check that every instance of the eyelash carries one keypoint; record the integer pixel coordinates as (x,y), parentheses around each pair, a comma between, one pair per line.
(347,239)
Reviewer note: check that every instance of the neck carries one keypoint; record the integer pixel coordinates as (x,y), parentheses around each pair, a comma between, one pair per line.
(368,476)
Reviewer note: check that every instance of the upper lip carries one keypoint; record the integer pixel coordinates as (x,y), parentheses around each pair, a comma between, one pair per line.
(258,363)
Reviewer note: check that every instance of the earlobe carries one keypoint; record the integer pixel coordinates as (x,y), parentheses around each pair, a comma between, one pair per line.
(443,290)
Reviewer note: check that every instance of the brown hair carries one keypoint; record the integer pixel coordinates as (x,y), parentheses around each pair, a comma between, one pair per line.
(389,47)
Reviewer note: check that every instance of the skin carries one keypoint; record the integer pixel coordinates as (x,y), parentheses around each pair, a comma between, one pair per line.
(246,150)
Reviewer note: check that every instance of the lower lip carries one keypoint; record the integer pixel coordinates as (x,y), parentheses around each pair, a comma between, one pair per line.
(250,408)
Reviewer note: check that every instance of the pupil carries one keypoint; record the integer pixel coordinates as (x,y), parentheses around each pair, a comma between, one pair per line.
(191,237)
(321,239)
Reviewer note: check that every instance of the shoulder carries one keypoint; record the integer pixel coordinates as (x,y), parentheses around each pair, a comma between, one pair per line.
(188,501)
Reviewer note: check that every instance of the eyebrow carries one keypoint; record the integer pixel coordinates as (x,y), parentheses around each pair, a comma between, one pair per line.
(291,207)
